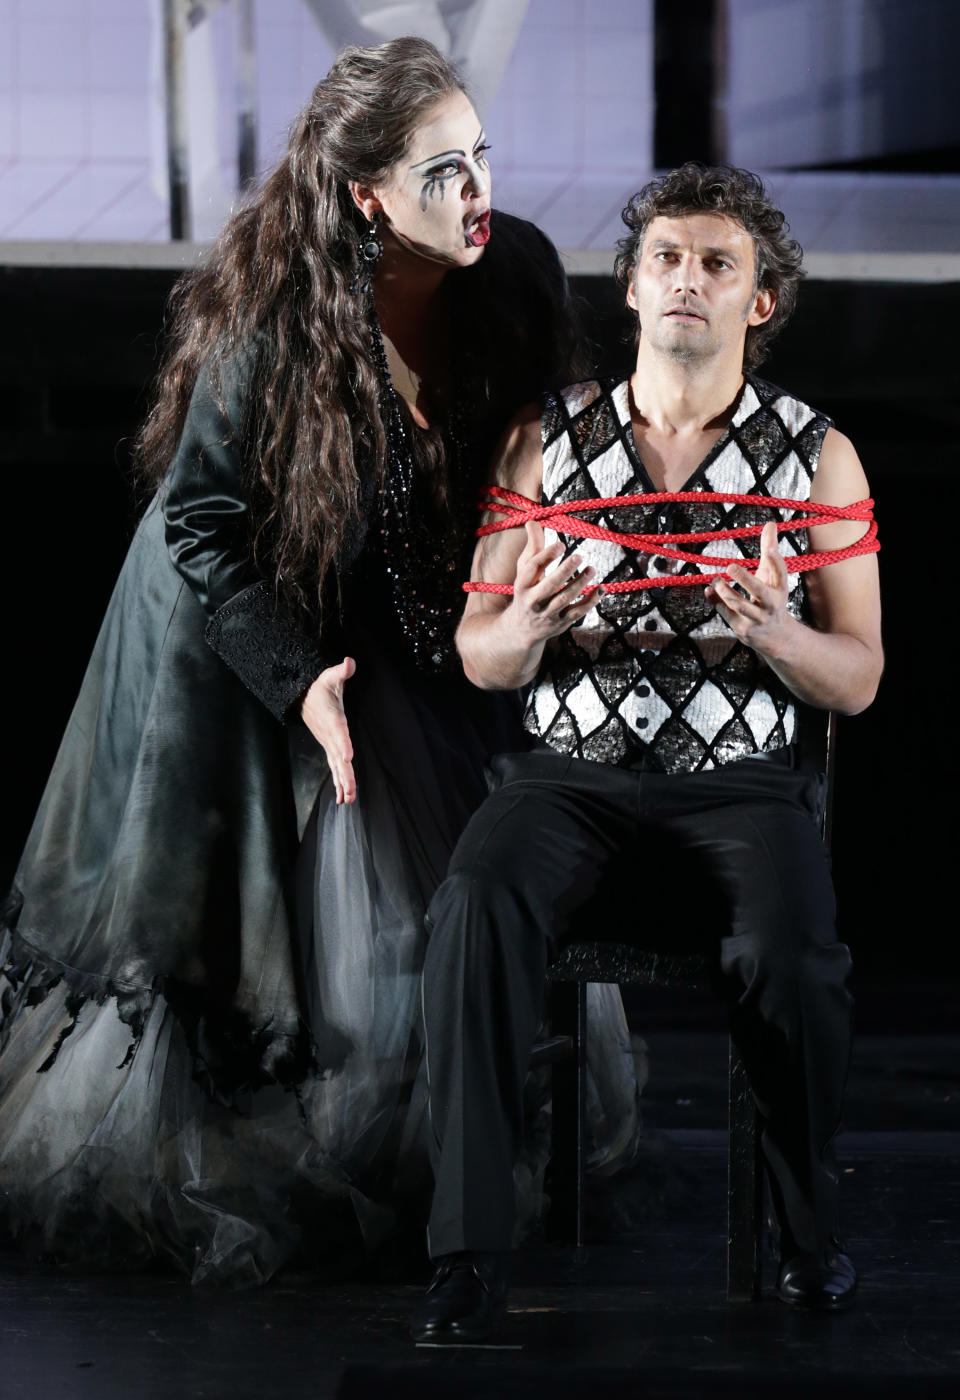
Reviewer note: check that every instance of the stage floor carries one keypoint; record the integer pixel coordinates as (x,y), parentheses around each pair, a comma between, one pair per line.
(644,1314)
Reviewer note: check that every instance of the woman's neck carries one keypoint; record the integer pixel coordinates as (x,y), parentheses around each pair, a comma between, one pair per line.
(411,307)
(407,286)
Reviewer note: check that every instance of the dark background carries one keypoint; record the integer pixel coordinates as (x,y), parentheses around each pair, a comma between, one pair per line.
(78,353)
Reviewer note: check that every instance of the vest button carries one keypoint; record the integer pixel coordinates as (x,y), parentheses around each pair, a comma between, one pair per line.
(650,625)
(642,722)
(643,691)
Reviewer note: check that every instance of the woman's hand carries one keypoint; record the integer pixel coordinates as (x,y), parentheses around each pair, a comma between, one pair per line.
(324,716)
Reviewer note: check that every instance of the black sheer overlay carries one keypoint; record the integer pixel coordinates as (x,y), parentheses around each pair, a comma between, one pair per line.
(210,1043)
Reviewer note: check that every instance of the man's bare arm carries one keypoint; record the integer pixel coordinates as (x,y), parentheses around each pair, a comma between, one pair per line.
(501,638)
(835,663)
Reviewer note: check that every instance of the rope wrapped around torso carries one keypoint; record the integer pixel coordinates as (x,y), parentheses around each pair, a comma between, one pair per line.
(564,517)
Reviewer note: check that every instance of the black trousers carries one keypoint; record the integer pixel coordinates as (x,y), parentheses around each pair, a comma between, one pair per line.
(729,861)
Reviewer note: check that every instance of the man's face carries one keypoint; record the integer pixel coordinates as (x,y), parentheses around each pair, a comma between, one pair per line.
(693,287)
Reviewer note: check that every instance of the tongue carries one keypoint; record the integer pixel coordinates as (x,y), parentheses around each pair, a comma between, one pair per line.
(480,232)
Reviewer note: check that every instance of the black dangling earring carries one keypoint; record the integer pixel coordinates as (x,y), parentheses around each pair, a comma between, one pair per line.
(369,253)
(370,247)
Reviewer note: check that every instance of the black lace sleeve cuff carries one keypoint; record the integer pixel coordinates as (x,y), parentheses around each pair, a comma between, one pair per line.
(270,653)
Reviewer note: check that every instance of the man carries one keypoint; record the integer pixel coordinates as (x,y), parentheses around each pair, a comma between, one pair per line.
(663,783)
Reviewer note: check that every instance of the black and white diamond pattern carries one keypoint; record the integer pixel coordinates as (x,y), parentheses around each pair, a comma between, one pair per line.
(657,674)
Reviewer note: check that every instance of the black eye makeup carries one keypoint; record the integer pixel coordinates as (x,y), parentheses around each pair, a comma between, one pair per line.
(443,168)
(434,180)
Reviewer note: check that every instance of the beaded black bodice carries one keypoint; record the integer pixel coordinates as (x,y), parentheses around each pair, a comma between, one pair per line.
(418,546)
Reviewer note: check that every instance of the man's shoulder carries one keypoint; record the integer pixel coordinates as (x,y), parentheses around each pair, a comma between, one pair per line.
(577,398)
(582,412)
(794,412)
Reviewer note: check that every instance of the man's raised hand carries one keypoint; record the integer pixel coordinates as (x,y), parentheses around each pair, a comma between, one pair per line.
(547,601)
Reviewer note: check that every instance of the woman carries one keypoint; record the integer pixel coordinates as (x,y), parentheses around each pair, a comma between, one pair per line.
(211,1043)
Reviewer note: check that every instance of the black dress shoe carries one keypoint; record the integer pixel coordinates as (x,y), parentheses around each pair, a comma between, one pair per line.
(465,1299)
(825,1281)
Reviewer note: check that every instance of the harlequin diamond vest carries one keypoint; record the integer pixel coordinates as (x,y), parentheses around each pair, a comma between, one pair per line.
(656,677)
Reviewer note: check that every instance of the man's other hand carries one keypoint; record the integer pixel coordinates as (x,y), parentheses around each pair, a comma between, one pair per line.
(754,605)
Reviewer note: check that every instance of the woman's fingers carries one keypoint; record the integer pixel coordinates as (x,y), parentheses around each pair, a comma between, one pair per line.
(337,739)
(338,747)
(324,715)
(340,758)
(347,668)
(345,783)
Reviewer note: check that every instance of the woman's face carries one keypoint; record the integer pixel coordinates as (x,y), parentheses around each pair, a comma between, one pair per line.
(436,200)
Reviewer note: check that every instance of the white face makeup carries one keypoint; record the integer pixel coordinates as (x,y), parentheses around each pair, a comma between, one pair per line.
(436,201)
(693,286)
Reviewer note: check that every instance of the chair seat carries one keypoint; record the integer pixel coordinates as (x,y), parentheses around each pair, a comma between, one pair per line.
(568,975)
(626,964)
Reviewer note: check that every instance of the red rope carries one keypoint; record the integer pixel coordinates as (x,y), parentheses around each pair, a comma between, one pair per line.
(562,517)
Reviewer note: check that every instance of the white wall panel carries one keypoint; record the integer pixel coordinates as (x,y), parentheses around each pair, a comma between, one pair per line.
(813,82)
(808,81)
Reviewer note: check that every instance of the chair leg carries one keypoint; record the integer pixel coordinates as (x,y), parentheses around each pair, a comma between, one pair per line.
(564,1152)
(581,1116)
(744,1188)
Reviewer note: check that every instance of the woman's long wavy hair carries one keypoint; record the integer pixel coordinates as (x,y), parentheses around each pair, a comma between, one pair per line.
(279,278)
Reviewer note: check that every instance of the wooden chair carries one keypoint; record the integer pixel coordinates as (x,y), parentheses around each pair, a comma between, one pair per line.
(585,962)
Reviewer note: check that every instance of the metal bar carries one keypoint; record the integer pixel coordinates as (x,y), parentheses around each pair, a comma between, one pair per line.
(178,136)
(246,96)
(562,1168)
(719,132)
(556,1049)
(684,82)
(199,10)
(831,768)
(744,1188)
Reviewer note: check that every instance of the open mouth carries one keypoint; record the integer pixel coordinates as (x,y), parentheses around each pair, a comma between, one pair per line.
(477,231)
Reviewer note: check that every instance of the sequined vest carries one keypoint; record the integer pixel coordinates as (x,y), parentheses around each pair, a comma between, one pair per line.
(656,677)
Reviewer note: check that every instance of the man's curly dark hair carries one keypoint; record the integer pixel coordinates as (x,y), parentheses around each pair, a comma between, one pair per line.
(739,194)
